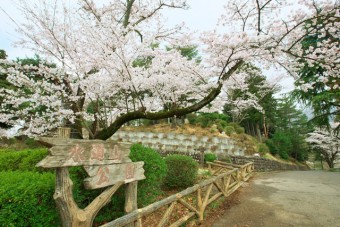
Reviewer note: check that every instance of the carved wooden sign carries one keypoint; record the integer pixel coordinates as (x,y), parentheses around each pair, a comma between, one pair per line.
(106,162)
(72,152)
(99,176)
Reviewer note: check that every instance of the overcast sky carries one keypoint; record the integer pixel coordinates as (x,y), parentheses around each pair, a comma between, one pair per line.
(202,15)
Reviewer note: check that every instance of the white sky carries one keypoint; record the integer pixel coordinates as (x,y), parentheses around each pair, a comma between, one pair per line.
(202,15)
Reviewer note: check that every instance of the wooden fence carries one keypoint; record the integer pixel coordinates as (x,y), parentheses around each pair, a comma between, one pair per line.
(191,202)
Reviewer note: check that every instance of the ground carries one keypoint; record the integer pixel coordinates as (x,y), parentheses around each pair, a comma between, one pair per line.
(291,198)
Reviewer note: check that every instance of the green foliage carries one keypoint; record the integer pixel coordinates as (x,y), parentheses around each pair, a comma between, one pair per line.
(283,144)
(257,86)
(210,157)
(155,171)
(271,146)
(182,171)
(84,197)
(26,199)
(218,121)
(291,128)
(239,130)
(229,130)
(323,96)
(24,160)
(263,148)
(283,154)
(190,52)
(334,170)
(3,54)
(32,143)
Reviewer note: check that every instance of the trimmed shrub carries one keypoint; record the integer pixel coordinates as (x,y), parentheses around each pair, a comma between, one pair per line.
(155,171)
(182,171)
(209,157)
(239,130)
(26,199)
(229,130)
(24,160)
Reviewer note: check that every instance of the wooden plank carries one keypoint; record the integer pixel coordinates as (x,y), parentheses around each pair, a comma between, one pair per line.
(102,176)
(79,153)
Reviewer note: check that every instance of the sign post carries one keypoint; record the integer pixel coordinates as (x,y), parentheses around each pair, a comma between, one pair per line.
(107,165)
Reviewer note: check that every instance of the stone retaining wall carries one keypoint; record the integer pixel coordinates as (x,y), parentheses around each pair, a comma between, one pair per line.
(191,145)
(262,164)
(181,143)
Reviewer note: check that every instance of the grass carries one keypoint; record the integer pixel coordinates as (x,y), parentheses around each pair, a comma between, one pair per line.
(335,170)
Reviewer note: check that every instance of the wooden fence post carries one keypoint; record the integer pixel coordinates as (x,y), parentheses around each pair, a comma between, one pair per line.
(131,201)
(64,132)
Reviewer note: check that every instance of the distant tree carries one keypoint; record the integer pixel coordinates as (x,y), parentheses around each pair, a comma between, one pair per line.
(318,84)
(290,130)
(11,87)
(250,101)
(327,143)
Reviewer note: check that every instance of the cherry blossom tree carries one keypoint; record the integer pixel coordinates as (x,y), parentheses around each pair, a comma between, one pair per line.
(245,91)
(327,142)
(96,46)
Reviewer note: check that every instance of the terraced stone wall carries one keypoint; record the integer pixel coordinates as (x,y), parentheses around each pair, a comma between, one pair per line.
(166,143)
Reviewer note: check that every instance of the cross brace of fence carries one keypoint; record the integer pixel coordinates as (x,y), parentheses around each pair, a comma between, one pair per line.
(193,201)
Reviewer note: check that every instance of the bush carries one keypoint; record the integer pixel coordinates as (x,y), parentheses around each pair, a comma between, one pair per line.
(283,154)
(208,119)
(239,130)
(182,171)
(24,160)
(229,130)
(262,148)
(155,171)
(26,199)
(271,146)
(209,157)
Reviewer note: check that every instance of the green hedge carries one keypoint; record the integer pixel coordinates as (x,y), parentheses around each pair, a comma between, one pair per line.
(34,186)
(24,160)
(155,171)
(26,199)
(182,171)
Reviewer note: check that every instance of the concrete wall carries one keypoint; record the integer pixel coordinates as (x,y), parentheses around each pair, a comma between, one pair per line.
(181,143)
(262,164)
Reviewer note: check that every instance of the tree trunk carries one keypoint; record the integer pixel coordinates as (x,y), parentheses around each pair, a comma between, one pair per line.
(258,132)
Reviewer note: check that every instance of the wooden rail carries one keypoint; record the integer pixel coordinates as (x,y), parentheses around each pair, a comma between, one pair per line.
(192,201)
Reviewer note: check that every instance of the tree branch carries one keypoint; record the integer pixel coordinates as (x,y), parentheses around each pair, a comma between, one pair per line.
(103,199)
(134,115)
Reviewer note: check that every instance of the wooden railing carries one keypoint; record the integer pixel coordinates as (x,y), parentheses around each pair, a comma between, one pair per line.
(179,208)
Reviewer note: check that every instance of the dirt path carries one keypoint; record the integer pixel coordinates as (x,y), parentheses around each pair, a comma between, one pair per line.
(292,198)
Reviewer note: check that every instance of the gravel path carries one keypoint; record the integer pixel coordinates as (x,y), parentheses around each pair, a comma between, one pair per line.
(291,198)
